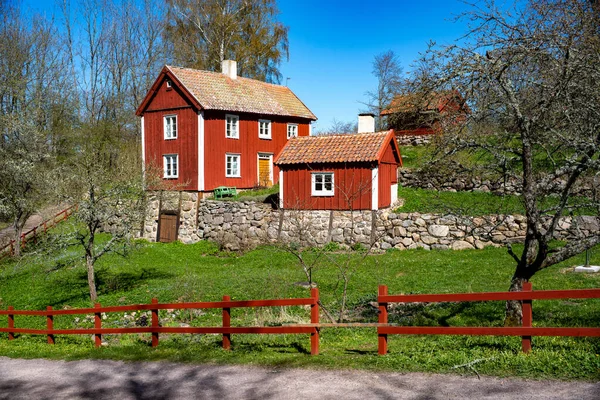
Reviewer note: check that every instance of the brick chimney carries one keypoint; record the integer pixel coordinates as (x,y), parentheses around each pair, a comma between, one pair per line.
(366,123)
(229,68)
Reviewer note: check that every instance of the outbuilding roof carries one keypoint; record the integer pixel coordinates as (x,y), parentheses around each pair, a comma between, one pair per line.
(433,101)
(359,147)
(217,91)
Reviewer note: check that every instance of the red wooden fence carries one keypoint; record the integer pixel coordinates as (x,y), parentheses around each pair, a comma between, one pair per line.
(9,249)
(155,329)
(526,331)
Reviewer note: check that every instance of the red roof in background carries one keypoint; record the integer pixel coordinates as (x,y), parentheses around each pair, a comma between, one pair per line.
(358,147)
(435,101)
(216,91)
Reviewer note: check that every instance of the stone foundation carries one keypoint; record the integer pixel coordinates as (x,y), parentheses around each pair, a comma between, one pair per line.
(244,225)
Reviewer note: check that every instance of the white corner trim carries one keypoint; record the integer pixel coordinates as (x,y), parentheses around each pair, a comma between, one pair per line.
(394,193)
(375,189)
(143,147)
(280,188)
(310,128)
(201,151)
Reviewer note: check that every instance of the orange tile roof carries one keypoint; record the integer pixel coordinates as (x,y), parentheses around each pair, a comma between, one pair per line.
(435,101)
(216,91)
(358,147)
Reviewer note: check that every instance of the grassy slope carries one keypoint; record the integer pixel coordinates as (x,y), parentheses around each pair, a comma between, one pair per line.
(176,272)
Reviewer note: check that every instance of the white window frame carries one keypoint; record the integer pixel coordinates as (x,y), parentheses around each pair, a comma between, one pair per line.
(295,133)
(166,130)
(323,191)
(166,159)
(267,129)
(229,119)
(239,165)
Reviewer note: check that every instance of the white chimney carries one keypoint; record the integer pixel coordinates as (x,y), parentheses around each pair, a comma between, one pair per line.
(366,123)
(229,68)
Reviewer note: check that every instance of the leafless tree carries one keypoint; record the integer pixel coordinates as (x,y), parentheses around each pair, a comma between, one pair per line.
(339,128)
(387,70)
(531,79)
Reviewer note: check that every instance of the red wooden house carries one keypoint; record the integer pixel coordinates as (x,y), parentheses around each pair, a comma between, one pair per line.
(209,129)
(423,114)
(339,172)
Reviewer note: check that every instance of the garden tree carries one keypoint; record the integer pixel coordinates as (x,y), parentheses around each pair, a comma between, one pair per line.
(387,70)
(531,79)
(31,107)
(110,197)
(202,34)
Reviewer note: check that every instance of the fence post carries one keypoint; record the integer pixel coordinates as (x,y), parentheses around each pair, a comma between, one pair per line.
(50,324)
(154,323)
(98,325)
(22,241)
(35,234)
(383,319)
(226,324)
(527,319)
(11,323)
(314,319)
(12,247)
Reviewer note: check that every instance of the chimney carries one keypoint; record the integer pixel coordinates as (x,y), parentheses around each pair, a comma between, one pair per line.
(229,68)
(366,123)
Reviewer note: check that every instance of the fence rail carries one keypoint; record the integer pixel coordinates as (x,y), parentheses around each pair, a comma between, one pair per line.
(9,249)
(155,329)
(526,331)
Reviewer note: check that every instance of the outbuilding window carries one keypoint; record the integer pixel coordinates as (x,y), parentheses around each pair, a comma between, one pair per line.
(232,165)
(322,184)
(292,130)
(171,166)
(264,129)
(170,127)
(232,126)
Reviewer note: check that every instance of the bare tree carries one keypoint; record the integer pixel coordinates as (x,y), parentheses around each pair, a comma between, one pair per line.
(387,70)
(531,79)
(339,128)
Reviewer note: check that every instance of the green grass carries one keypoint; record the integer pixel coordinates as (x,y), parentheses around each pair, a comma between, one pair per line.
(259,194)
(176,272)
(464,203)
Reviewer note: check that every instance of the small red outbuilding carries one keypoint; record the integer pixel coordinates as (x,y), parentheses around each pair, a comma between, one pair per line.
(339,172)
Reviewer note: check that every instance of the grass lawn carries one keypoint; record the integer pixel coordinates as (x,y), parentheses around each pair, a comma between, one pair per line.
(176,272)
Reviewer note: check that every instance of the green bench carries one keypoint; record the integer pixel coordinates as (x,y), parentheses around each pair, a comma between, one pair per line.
(223,191)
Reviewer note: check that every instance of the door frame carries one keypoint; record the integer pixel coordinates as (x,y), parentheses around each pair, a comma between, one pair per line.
(264,156)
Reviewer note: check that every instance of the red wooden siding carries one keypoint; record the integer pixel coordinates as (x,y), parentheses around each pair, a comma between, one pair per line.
(388,175)
(352,187)
(172,102)
(216,145)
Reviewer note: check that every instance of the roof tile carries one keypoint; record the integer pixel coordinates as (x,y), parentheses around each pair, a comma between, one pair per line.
(359,147)
(216,91)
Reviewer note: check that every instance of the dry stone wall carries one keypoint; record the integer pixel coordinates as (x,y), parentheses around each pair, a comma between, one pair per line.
(243,225)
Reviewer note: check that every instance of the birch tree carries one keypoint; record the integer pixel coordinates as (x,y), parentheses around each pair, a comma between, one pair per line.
(387,70)
(202,34)
(531,79)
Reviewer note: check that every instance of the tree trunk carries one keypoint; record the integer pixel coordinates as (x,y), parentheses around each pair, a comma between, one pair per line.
(18,226)
(514,308)
(89,261)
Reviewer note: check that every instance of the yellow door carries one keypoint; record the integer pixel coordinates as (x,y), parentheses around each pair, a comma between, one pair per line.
(264,172)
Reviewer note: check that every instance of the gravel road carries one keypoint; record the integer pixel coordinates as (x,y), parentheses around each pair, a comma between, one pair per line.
(91,379)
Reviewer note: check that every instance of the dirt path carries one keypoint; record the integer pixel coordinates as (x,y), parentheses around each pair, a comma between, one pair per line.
(8,233)
(91,379)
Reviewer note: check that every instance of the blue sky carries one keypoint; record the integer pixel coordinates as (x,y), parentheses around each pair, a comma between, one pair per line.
(333,43)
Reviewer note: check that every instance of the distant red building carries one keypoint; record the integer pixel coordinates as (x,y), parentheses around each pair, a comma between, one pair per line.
(339,172)
(417,114)
(209,129)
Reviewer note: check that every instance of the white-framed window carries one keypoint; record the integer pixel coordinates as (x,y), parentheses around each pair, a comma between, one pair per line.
(322,184)
(264,129)
(170,127)
(169,84)
(171,166)
(232,165)
(232,126)
(292,130)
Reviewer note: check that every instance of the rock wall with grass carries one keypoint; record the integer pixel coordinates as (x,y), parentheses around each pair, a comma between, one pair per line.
(236,225)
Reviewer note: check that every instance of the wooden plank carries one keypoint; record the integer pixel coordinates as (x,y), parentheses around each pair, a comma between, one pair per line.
(492,331)
(218,330)
(382,339)
(492,296)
